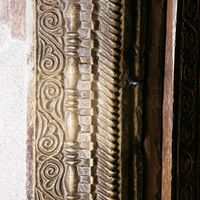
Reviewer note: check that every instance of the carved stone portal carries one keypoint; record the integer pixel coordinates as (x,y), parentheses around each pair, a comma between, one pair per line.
(80,119)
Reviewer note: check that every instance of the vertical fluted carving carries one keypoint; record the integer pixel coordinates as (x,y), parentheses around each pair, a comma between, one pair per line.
(71,177)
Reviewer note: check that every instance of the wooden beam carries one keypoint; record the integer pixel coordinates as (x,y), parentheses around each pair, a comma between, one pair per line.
(168,100)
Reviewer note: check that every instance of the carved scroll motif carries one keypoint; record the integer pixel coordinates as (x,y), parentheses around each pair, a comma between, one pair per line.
(186,155)
(49,122)
(77,99)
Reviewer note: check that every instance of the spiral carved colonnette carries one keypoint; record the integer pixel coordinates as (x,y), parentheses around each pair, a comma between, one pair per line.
(109,55)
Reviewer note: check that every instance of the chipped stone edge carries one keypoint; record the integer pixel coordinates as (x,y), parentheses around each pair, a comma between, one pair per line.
(30,51)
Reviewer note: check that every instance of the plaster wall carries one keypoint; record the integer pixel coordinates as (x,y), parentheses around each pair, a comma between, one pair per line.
(13,89)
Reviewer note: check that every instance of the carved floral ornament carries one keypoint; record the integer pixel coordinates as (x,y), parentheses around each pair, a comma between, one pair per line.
(92,139)
(77,99)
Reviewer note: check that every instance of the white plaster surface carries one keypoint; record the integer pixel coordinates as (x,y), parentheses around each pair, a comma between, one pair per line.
(12,116)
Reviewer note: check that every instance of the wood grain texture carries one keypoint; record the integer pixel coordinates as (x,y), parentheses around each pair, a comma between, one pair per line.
(153,98)
(168,101)
(185,177)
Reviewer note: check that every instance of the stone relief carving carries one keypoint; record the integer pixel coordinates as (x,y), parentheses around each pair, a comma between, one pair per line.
(89,65)
(77,99)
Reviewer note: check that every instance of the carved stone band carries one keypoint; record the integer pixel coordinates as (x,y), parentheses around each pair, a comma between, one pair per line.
(77,99)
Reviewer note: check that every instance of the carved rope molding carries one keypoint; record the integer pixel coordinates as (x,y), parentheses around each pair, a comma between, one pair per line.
(77,135)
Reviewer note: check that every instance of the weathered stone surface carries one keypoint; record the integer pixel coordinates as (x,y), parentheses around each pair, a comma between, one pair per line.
(77,66)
